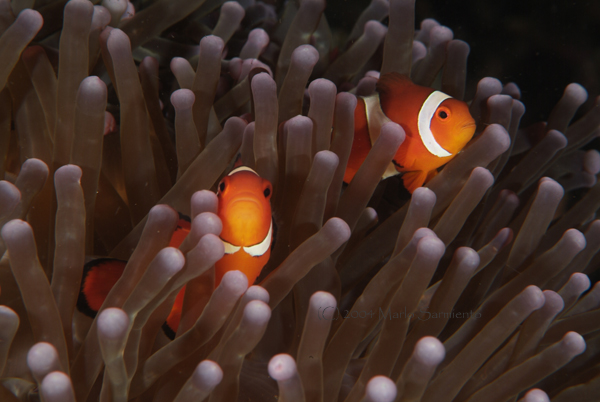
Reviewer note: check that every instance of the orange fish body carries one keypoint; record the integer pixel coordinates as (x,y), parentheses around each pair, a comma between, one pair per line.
(437,127)
(245,212)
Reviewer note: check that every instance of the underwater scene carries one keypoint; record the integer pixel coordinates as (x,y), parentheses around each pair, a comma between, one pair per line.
(299,201)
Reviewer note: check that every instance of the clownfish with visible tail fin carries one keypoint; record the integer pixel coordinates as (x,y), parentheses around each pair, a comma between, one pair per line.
(245,211)
(437,127)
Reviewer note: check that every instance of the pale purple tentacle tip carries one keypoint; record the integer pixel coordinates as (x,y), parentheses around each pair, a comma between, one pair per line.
(171,259)
(423,195)
(553,302)
(34,164)
(42,358)
(282,367)
(101,18)
(482,174)
(321,85)
(207,375)
(375,31)
(257,313)
(576,93)
(212,45)
(31,18)
(337,228)
(204,201)
(92,92)
(440,34)
(326,159)
(534,297)
(395,131)
(68,173)
(324,303)
(429,351)
(576,238)
(56,387)
(580,282)
(259,37)
(235,281)
(182,99)
(469,258)
(535,395)
(423,232)
(431,247)
(113,323)
(257,293)
(591,162)
(512,90)
(573,343)
(15,230)
(205,223)
(305,55)
(380,389)
(209,247)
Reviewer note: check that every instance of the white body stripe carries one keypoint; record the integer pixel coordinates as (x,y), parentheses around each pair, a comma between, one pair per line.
(375,120)
(242,169)
(259,249)
(424,123)
(230,248)
(255,251)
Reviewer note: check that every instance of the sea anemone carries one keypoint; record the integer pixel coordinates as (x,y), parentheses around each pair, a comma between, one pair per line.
(116,117)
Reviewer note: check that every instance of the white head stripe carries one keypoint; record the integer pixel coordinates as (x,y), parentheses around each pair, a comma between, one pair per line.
(230,248)
(424,123)
(242,169)
(259,249)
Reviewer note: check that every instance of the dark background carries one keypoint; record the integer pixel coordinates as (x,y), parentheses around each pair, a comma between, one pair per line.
(540,45)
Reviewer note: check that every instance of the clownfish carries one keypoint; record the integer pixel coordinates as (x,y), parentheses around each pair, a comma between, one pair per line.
(437,127)
(245,211)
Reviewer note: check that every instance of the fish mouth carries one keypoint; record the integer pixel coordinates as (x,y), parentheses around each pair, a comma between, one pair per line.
(469,125)
(247,203)
(247,198)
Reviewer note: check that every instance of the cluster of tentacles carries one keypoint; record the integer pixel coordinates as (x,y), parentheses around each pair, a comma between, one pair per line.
(112,120)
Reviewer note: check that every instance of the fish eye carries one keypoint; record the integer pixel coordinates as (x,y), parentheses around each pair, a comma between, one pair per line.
(221,186)
(267,192)
(443,113)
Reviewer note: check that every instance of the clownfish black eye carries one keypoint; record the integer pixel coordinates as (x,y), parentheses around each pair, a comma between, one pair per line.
(442,114)
(267,192)
(221,186)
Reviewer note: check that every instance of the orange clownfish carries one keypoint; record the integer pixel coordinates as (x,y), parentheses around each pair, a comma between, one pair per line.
(245,212)
(437,128)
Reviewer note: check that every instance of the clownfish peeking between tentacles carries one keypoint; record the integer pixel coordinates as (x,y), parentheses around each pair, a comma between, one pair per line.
(245,211)
(437,127)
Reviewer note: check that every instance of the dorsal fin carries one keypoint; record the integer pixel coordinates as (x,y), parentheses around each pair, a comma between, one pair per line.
(392,84)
